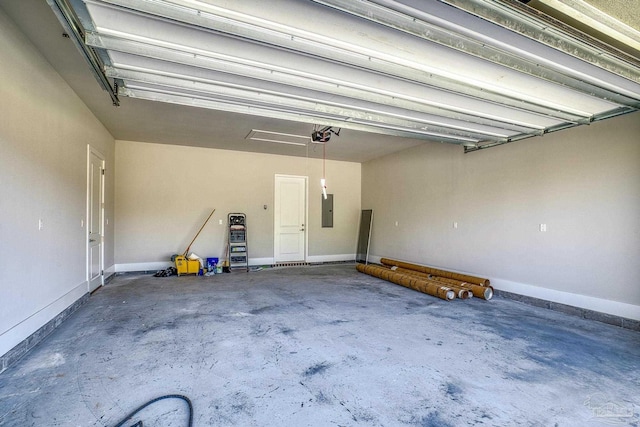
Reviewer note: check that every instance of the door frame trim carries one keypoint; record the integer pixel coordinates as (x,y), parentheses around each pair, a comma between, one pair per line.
(92,150)
(306,213)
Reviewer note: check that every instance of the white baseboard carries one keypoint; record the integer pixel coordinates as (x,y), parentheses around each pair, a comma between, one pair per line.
(23,329)
(142,266)
(161,265)
(614,308)
(374,259)
(261,261)
(110,270)
(331,258)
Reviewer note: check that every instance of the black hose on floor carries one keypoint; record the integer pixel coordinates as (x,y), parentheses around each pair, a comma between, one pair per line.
(152,401)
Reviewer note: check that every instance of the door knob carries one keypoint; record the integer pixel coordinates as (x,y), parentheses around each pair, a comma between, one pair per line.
(91,240)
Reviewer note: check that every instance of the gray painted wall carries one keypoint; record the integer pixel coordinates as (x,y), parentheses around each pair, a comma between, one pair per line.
(44,132)
(583,183)
(165,192)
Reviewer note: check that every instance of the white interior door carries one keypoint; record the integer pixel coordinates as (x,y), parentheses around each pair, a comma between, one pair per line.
(290,213)
(95,219)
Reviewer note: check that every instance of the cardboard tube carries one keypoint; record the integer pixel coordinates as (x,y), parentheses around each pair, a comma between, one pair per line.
(436,272)
(426,286)
(461,292)
(484,292)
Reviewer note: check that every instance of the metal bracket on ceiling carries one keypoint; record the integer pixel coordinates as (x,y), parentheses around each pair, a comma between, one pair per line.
(69,20)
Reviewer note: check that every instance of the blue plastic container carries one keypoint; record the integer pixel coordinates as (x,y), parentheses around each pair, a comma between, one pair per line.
(212,263)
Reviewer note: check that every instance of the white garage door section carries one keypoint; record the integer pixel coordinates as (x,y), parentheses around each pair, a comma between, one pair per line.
(290,215)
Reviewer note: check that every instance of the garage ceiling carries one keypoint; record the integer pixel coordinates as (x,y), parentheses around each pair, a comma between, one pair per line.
(390,74)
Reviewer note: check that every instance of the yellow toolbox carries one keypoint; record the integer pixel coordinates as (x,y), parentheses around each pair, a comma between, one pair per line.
(187,266)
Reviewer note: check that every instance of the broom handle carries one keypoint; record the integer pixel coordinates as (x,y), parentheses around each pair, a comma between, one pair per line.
(197,234)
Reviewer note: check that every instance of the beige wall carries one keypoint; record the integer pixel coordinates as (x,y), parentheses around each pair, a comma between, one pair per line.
(164,193)
(44,132)
(583,183)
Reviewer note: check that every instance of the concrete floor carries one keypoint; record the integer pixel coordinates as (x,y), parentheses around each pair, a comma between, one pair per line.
(320,346)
